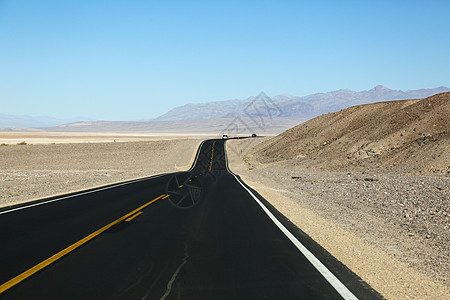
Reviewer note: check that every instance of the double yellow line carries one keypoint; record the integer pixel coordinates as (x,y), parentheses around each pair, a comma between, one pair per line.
(212,155)
(128,217)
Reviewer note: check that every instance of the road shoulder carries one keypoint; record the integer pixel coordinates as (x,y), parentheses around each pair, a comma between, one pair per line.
(391,277)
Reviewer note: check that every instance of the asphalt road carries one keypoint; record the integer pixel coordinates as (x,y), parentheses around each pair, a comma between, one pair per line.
(201,234)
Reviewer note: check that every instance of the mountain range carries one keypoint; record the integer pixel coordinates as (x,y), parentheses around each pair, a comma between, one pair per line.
(286,108)
(296,108)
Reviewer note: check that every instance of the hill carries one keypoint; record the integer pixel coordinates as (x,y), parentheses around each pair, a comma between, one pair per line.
(410,136)
(297,108)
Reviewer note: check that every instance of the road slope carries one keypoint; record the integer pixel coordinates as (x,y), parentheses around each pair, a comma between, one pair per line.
(200,234)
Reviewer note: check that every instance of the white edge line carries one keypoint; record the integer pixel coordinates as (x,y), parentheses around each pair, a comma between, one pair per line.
(98,189)
(82,193)
(196,157)
(333,280)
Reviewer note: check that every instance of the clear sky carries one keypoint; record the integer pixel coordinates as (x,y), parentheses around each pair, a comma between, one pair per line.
(132,60)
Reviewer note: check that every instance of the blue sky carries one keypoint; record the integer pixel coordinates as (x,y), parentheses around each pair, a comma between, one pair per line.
(132,60)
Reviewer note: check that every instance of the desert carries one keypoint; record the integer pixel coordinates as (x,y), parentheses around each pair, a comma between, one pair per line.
(225,150)
(29,171)
(371,184)
(391,230)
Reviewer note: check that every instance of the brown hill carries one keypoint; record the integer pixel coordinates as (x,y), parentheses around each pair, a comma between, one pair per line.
(409,136)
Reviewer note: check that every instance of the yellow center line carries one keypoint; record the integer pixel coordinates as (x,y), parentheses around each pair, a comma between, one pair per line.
(7,285)
(132,217)
(166,196)
(212,155)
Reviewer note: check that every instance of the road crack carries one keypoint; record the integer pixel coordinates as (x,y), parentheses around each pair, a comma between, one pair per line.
(174,276)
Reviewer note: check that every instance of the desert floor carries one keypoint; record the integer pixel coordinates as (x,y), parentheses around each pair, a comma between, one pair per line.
(45,137)
(390,229)
(30,171)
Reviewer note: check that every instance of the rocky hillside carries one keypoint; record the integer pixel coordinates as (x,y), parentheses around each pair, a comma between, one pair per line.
(409,136)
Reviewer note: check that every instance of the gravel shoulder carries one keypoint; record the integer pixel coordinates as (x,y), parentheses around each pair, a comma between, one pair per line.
(29,172)
(391,230)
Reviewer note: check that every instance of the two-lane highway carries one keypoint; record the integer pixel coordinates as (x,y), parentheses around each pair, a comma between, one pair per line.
(201,234)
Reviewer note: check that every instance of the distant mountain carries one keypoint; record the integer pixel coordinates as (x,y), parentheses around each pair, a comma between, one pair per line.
(297,108)
(201,111)
(8,121)
(281,108)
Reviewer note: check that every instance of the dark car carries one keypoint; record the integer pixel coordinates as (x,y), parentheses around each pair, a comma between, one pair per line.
(253,134)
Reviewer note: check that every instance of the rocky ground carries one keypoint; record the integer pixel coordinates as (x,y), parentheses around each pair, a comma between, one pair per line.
(393,229)
(35,171)
(407,136)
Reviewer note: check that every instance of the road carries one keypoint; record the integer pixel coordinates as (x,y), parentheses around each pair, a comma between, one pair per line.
(201,234)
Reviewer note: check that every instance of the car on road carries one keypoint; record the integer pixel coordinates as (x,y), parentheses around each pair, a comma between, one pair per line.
(225,136)
(253,134)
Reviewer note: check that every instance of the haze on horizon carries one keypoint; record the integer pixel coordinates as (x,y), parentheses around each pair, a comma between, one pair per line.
(137,60)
